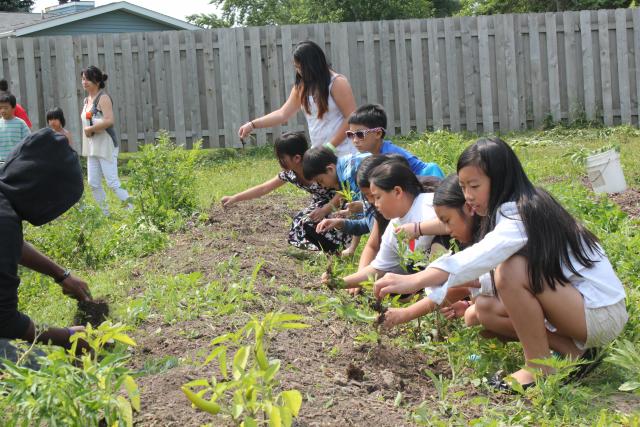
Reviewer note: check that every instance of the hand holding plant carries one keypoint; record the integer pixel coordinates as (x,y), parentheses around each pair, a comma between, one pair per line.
(407,231)
(396,316)
(354,208)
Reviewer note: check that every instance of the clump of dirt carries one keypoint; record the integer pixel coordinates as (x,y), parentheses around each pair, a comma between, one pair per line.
(355,373)
(91,312)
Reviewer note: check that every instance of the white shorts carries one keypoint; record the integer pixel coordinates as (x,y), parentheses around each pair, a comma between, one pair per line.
(604,324)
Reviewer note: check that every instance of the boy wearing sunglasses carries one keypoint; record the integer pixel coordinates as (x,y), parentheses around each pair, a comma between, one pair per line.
(367,130)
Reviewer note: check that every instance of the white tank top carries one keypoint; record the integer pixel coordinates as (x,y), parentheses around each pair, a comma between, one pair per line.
(322,130)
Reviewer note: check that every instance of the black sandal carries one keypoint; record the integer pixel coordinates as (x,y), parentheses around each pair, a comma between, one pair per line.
(498,383)
(588,362)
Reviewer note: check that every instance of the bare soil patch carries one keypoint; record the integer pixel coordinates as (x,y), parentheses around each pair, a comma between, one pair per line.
(629,201)
(343,383)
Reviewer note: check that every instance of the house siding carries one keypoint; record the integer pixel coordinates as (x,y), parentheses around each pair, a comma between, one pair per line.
(113,22)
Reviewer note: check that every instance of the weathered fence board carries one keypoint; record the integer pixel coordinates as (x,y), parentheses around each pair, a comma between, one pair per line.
(484,74)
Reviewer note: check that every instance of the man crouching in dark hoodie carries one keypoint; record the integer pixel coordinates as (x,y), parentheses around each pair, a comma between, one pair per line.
(40,180)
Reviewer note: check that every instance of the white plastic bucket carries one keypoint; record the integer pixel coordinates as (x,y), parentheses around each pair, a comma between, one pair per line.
(605,172)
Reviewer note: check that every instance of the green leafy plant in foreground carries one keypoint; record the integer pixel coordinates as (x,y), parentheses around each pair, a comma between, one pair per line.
(70,390)
(249,395)
(626,356)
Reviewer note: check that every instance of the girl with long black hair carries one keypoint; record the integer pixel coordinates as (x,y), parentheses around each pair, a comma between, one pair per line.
(324,96)
(399,198)
(546,264)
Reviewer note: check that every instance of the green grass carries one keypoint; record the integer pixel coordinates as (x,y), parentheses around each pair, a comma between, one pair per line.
(547,157)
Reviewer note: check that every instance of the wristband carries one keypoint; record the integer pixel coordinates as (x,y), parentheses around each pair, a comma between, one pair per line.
(330,146)
(253,126)
(64,276)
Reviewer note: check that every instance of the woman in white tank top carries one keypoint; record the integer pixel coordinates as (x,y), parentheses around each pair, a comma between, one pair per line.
(324,96)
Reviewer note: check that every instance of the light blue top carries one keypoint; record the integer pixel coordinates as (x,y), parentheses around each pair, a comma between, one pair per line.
(418,167)
(11,133)
(347,170)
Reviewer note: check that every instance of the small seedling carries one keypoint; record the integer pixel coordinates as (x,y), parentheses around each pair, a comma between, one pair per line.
(249,395)
(333,282)
(345,192)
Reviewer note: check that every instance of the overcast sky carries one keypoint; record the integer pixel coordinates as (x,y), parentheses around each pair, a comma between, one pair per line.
(177,9)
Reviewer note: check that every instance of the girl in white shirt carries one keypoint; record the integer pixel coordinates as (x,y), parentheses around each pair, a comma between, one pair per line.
(547,265)
(398,196)
(455,219)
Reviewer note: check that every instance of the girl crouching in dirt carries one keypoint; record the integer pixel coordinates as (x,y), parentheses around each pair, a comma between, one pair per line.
(289,150)
(398,196)
(547,265)
(455,219)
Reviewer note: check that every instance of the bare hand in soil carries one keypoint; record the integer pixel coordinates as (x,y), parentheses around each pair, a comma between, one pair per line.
(76,288)
(227,201)
(348,252)
(393,317)
(454,310)
(354,291)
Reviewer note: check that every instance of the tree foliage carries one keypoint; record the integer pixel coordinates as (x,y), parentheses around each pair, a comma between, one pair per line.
(16,5)
(493,7)
(281,12)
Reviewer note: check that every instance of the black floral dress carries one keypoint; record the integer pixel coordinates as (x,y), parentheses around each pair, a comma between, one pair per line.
(302,233)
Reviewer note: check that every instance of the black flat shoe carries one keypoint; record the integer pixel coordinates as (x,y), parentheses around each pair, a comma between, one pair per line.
(498,383)
(590,360)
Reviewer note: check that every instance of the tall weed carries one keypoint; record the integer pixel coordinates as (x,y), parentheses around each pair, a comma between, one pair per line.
(162,181)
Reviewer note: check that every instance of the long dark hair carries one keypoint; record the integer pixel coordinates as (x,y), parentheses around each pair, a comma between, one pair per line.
(393,174)
(315,76)
(553,234)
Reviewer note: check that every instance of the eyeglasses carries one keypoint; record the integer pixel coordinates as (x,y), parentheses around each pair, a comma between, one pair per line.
(360,134)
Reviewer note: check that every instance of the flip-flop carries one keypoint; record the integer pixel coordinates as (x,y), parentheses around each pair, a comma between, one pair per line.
(498,383)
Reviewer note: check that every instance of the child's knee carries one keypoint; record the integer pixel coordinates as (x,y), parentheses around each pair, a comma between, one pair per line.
(512,272)
(471,316)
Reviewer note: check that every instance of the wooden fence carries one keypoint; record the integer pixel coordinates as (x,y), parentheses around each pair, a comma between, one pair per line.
(480,74)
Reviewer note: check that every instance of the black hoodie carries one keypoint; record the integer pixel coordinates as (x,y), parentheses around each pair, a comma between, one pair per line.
(40,180)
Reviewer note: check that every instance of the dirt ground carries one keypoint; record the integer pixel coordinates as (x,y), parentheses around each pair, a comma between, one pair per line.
(355,386)
(629,201)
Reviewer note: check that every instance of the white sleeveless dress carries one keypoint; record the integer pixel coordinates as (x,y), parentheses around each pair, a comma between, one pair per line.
(322,130)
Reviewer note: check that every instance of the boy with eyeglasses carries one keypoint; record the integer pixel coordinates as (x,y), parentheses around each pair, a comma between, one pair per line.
(367,128)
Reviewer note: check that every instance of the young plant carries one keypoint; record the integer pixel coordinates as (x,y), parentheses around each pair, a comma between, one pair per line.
(162,180)
(347,194)
(411,260)
(626,356)
(249,396)
(72,390)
